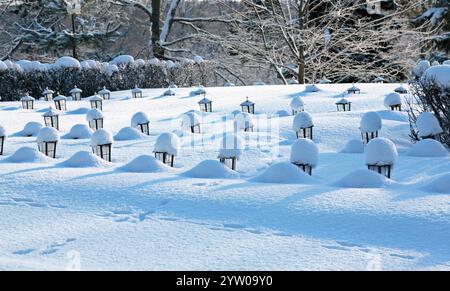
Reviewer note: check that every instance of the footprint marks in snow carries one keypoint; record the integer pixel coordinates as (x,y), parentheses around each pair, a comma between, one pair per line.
(46,250)
(18,201)
(132,216)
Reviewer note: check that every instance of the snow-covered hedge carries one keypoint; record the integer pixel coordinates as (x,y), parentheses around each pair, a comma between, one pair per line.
(90,76)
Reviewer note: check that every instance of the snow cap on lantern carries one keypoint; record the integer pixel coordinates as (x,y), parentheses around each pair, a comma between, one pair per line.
(60,102)
(48,94)
(231,148)
(136,92)
(381,155)
(370,125)
(192,121)
(169,92)
(95,119)
(297,105)
(428,126)
(304,154)
(401,90)
(393,101)
(141,121)
(353,90)
(96,102)
(167,148)
(344,105)
(47,139)
(76,93)
(244,121)
(27,102)
(303,125)
(105,93)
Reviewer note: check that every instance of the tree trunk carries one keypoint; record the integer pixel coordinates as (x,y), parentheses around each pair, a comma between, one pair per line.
(74,41)
(301,65)
(158,51)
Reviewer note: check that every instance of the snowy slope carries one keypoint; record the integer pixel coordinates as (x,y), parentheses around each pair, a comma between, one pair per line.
(54,217)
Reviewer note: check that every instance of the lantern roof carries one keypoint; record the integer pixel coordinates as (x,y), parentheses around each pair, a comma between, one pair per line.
(76,90)
(48,91)
(104,91)
(51,112)
(247,103)
(27,98)
(94,114)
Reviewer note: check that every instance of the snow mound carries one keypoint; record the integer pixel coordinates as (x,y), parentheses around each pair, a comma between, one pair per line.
(211,169)
(304,152)
(123,60)
(31,129)
(312,88)
(370,122)
(363,178)
(139,118)
(168,143)
(84,160)
(354,146)
(441,185)
(381,151)
(145,164)
(428,124)
(27,155)
(428,148)
(440,75)
(67,62)
(283,173)
(128,133)
(2,131)
(297,104)
(101,137)
(47,134)
(79,131)
(302,120)
(231,146)
(392,99)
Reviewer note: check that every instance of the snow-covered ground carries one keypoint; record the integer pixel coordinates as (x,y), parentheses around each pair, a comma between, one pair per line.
(55,215)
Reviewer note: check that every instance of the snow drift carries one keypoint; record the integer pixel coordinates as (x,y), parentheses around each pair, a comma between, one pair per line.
(441,184)
(211,169)
(428,148)
(30,129)
(84,159)
(27,155)
(79,131)
(283,173)
(363,178)
(145,164)
(128,133)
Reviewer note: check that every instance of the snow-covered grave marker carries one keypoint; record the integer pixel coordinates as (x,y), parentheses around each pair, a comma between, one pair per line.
(2,139)
(141,122)
(136,92)
(60,102)
(48,94)
(76,93)
(344,105)
(297,105)
(248,106)
(101,142)
(370,125)
(231,148)
(304,154)
(95,119)
(27,102)
(96,102)
(51,118)
(167,148)
(303,125)
(393,101)
(105,93)
(47,140)
(381,155)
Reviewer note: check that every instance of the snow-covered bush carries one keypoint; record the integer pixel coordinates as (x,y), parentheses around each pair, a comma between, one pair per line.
(431,94)
(428,148)
(420,69)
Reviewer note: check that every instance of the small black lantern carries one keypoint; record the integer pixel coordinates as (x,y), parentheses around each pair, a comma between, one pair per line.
(105,94)
(205,105)
(245,121)
(48,94)
(385,170)
(304,155)
(51,118)
(344,105)
(141,121)
(103,151)
(248,107)
(166,148)
(192,121)
(101,142)
(401,90)
(354,90)
(305,168)
(303,125)
(95,119)
(47,141)
(27,102)
(136,92)
(396,107)
(169,92)
(60,102)
(76,93)
(96,102)
(368,136)
(306,132)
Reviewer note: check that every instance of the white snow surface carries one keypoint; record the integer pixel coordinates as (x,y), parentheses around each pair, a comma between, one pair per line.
(211,169)
(305,152)
(47,134)
(119,220)
(145,164)
(84,159)
(428,148)
(31,129)
(428,124)
(167,143)
(381,151)
(26,155)
(370,122)
(302,120)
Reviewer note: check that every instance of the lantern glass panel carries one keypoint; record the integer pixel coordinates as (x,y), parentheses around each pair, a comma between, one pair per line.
(48,149)
(60,105)
(76,96)
(305,133)
(229,162)
(2,144)
(145,128)
(368,136)
(382,170)
(48,97)
(97,104)
(195,128)
(52,121)
(96,124)
(103,151)
(165,158)
(305,168)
